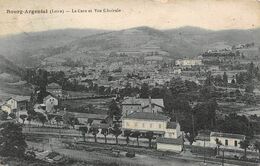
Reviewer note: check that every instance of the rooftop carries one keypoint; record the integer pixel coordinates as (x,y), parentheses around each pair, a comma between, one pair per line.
(53,85)
(20,98)
(48,97)
(147,116)
(142,102)
(172,125)
(227,135)
(90,116)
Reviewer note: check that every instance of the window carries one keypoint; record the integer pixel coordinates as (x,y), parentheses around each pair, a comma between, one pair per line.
(235,143)
(160,126)
(151,125)
(143,125)
(226,142)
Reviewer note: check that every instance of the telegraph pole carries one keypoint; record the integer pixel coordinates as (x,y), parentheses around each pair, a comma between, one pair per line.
(204,152)
(223,158)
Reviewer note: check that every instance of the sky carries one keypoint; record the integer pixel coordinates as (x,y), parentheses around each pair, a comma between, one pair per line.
(160,14)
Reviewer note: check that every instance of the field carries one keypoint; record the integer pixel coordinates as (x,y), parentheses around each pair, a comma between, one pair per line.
(100,106)
(8,90)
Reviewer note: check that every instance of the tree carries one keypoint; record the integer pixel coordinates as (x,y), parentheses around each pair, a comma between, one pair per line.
(177,86)
(12,115)
(206,115)
(236,124)
(50,117)
(149,136)
(250,71)
(74,121)
(90,108)
(68,118)
(136,135)
(208,81)
(225,78)
(244,145)
(29,119)
(144,91)
(190,137)
(42,118)
(127,134)
(3,115)
(84,130)
(116,131)
(58,119)
(94,132)
(156,93)
(23,117)
(114,110)
(104,132)
(257,147)
(249,88)
(218,142)
(12,140)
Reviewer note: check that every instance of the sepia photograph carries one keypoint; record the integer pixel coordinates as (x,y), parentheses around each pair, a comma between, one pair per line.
(130,83)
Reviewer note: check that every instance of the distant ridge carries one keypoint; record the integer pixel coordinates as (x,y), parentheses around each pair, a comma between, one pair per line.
(180,42)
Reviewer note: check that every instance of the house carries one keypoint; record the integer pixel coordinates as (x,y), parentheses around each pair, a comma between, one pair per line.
(55,89)
(188,62)
(168,144)
(132,104)
(18,102)
(169,136)
(6,108)
(145,121)
(50,102)
(15,104)
(172,140)
(228,140)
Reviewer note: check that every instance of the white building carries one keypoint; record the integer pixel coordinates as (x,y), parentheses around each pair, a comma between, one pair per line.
(228,140)
(50,102)
(169,136)
(6,108)
(168,144)
(55,89)
(188,62)
(15,104)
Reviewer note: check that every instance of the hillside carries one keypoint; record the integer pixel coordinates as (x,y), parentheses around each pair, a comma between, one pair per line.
(181,42)
(29,49)
(9,68)
(21,46)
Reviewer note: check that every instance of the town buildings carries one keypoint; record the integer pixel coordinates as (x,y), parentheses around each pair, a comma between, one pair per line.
(133,104)
(55,89)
